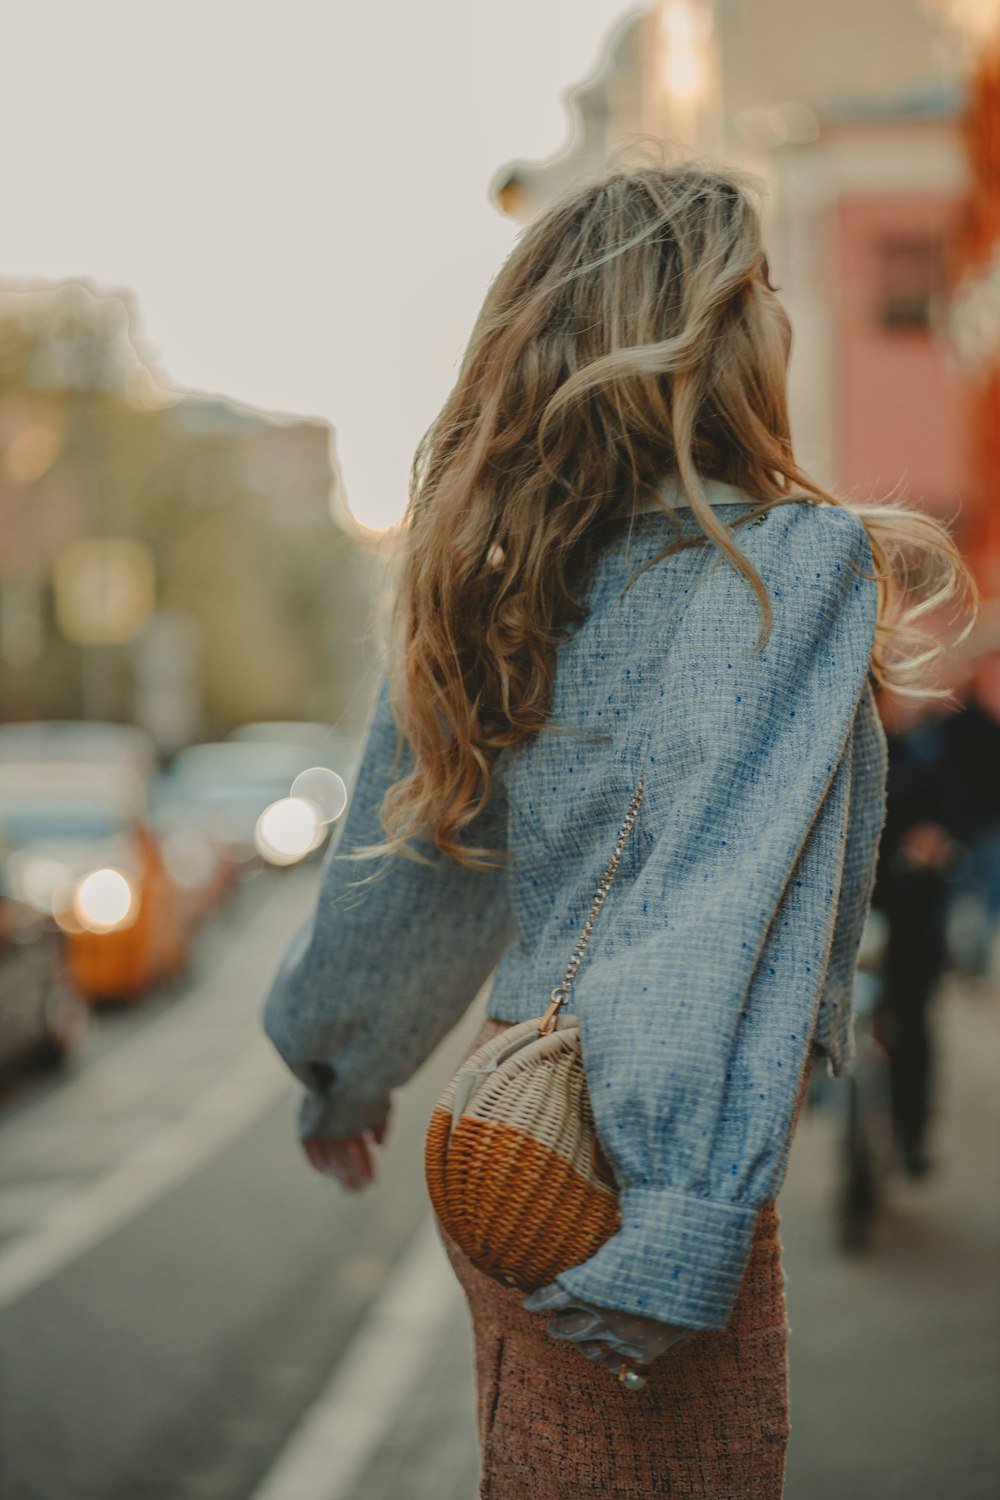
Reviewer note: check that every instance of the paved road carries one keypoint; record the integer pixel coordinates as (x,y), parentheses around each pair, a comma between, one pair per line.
(895,1355)
(174,1286)
(186,1314)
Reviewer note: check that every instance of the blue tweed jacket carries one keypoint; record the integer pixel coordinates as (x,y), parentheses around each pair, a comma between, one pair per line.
(726,950)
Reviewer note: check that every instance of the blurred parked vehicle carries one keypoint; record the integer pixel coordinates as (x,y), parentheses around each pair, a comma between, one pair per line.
(79,740)
(196,863)
(76,847)
(42,1017)
(325,745)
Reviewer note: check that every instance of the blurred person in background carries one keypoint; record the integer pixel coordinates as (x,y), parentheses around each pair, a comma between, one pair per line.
(916,857)
(614,568)
(972,745)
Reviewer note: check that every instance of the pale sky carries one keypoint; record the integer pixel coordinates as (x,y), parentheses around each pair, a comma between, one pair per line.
(295,191)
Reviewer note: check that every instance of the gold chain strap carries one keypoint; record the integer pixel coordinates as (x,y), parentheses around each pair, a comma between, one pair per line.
(560,995)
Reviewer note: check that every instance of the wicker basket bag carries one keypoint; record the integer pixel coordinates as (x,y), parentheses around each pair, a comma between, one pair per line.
(514,1168)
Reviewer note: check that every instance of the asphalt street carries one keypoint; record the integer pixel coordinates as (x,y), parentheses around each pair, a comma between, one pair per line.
(175,1284)
(187,1313)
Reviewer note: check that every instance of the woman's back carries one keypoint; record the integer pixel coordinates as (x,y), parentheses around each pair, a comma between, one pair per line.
(536,676)
(633,677)
(728,943)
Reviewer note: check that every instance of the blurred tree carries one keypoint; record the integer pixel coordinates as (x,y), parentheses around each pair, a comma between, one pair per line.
(232,506)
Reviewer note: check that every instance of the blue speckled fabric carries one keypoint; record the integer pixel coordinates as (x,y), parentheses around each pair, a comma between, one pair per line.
(727,947)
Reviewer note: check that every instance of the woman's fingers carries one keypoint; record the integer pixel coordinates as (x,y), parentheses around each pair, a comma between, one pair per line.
(348,1153)
(639,1339)
(368,1153)
(312,1147)
(359,1163)
(324,1157)
(348,1159)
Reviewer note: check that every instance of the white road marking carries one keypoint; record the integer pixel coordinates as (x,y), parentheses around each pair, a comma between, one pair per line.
(383,1365)
(239,1096)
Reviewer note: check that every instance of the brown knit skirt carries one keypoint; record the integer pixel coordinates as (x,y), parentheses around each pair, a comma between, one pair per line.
(711,1422)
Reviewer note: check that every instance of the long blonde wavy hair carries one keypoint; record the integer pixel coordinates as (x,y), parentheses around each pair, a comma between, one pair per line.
(632,331)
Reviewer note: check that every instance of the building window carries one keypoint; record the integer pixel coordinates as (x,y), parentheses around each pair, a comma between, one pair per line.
(911,283)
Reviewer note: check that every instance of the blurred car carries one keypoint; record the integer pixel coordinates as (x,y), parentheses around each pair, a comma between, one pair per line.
(326,745)
(75,846)
(226,789)
(197,863)
(42,1016)
(88,741)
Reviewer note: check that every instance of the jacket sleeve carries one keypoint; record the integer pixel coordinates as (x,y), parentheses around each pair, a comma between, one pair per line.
(390,957)
(697,1015)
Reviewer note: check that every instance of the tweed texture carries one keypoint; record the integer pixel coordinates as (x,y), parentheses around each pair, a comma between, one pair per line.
(711,1423)
(727,946)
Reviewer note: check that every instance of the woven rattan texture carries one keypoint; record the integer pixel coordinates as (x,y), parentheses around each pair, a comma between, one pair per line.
(517,1182)
(711,1423)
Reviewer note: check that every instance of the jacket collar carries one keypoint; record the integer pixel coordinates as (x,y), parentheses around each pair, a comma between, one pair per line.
(670,493)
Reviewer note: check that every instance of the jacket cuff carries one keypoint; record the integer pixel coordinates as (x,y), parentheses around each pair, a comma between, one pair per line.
(675,1258)
(319,1116)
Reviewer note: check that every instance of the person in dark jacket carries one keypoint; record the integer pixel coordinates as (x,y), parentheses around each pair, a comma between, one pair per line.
(972,745)
(911,891)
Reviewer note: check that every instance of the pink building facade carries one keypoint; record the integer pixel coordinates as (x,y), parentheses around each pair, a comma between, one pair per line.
(902,407)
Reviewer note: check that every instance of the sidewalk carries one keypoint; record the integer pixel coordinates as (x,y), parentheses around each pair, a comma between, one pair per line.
(895,1378)
(895,1355)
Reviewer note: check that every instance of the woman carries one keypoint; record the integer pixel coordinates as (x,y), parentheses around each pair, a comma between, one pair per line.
(612,565)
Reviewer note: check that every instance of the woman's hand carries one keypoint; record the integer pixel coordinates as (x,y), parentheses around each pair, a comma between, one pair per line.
(348,1158)
(614,1338)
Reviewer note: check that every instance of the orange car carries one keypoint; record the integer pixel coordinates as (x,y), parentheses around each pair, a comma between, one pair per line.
(148,944)
(75,845)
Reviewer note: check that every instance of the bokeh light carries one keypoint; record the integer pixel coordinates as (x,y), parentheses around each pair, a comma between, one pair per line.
(323,787)
(105,899)
(288,830)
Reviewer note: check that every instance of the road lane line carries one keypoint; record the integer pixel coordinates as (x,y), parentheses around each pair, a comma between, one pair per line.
(240,1096)
(383,1365)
